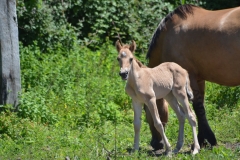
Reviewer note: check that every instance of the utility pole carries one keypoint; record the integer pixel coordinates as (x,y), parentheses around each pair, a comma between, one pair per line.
(10,80)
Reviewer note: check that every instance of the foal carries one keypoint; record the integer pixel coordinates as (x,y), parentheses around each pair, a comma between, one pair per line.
(145,85)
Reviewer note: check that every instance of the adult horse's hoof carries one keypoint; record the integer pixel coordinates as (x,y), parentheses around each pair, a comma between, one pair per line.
(156,144)
(211,138)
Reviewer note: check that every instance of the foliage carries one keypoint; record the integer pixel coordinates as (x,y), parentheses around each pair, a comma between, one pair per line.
(51,22)
(45,24)
(73,102)
(219,4)
(223,96)
(80,80)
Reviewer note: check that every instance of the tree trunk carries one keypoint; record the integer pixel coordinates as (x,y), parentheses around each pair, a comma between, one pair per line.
(10,81)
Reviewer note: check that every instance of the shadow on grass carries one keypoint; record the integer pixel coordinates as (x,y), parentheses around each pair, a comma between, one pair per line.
(155,153)
(149,152)
(160,153)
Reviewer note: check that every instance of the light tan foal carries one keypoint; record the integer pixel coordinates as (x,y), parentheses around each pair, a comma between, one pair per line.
(145,85)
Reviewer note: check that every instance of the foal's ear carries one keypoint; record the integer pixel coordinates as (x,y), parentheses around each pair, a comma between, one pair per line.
(118,45)
(132,47)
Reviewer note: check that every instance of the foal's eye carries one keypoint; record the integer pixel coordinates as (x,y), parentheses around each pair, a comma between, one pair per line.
(131,59)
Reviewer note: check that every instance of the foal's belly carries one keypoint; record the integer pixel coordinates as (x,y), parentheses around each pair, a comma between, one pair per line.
(161,93)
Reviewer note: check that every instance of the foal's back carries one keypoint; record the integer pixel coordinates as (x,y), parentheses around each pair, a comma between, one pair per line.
(163,78)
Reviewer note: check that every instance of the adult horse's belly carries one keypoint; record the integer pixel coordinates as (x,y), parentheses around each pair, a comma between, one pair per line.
(209,55)
(220,70)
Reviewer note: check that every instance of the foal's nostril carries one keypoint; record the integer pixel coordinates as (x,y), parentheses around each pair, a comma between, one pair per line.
(123,74)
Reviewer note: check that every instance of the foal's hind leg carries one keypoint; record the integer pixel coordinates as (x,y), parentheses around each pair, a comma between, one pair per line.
(181,118)
(156,141)
(151,103)
(181,96)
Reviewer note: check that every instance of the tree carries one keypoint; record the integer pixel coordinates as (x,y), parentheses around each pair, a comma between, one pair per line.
(10,81)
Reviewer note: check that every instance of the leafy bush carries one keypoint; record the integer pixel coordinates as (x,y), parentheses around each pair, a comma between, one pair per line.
(33,106)
(40,22)
(219,4)
(15,128)
(81,80)
(51,22)
(223,96)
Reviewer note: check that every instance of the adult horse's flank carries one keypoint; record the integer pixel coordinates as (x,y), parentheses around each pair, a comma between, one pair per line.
(145,85)
(205,43)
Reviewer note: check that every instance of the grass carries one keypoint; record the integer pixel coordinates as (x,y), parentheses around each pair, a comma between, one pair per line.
(113,140)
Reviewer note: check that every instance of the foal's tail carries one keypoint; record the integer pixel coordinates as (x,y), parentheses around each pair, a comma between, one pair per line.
(189,89)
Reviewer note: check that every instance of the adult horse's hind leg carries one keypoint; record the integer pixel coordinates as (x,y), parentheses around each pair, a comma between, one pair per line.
(204,130)
(156,141)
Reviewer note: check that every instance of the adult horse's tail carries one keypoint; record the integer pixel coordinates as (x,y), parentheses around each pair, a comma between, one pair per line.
(189,89)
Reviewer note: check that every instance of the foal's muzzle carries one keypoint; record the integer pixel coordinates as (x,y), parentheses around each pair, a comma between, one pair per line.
(124,75)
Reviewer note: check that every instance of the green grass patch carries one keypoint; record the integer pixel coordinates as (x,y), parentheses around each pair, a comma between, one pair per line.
(30,140)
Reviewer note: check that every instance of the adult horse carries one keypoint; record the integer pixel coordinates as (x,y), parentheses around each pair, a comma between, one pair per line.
(205,43)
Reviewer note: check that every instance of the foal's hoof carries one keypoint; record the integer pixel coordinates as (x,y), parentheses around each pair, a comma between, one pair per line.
(205,144)
(195,151)
(168,153)
(175,151)
(132,150)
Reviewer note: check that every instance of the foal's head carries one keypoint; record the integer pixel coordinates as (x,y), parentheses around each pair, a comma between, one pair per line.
(125,57)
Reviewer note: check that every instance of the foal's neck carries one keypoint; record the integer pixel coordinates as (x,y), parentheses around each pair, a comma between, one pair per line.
(140,63)
(136,65)
(134,73)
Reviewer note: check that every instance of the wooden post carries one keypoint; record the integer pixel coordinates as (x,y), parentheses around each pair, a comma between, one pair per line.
(10,81)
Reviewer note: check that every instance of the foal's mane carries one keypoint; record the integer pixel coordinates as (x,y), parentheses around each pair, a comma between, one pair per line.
(138,62)
(182,11)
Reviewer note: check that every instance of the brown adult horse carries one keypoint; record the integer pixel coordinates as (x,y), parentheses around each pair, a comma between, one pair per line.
(205,43)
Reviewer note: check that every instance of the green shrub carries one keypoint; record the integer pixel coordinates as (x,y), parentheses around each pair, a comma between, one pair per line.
(46,24)
(83,81)
(223,96)
(219,4)
(14,128)
(51,22)
(34,107)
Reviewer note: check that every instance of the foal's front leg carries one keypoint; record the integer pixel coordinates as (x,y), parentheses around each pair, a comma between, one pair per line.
(137,108)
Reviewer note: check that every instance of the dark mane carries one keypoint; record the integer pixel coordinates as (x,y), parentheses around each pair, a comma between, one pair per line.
(140,63)
(182,11)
